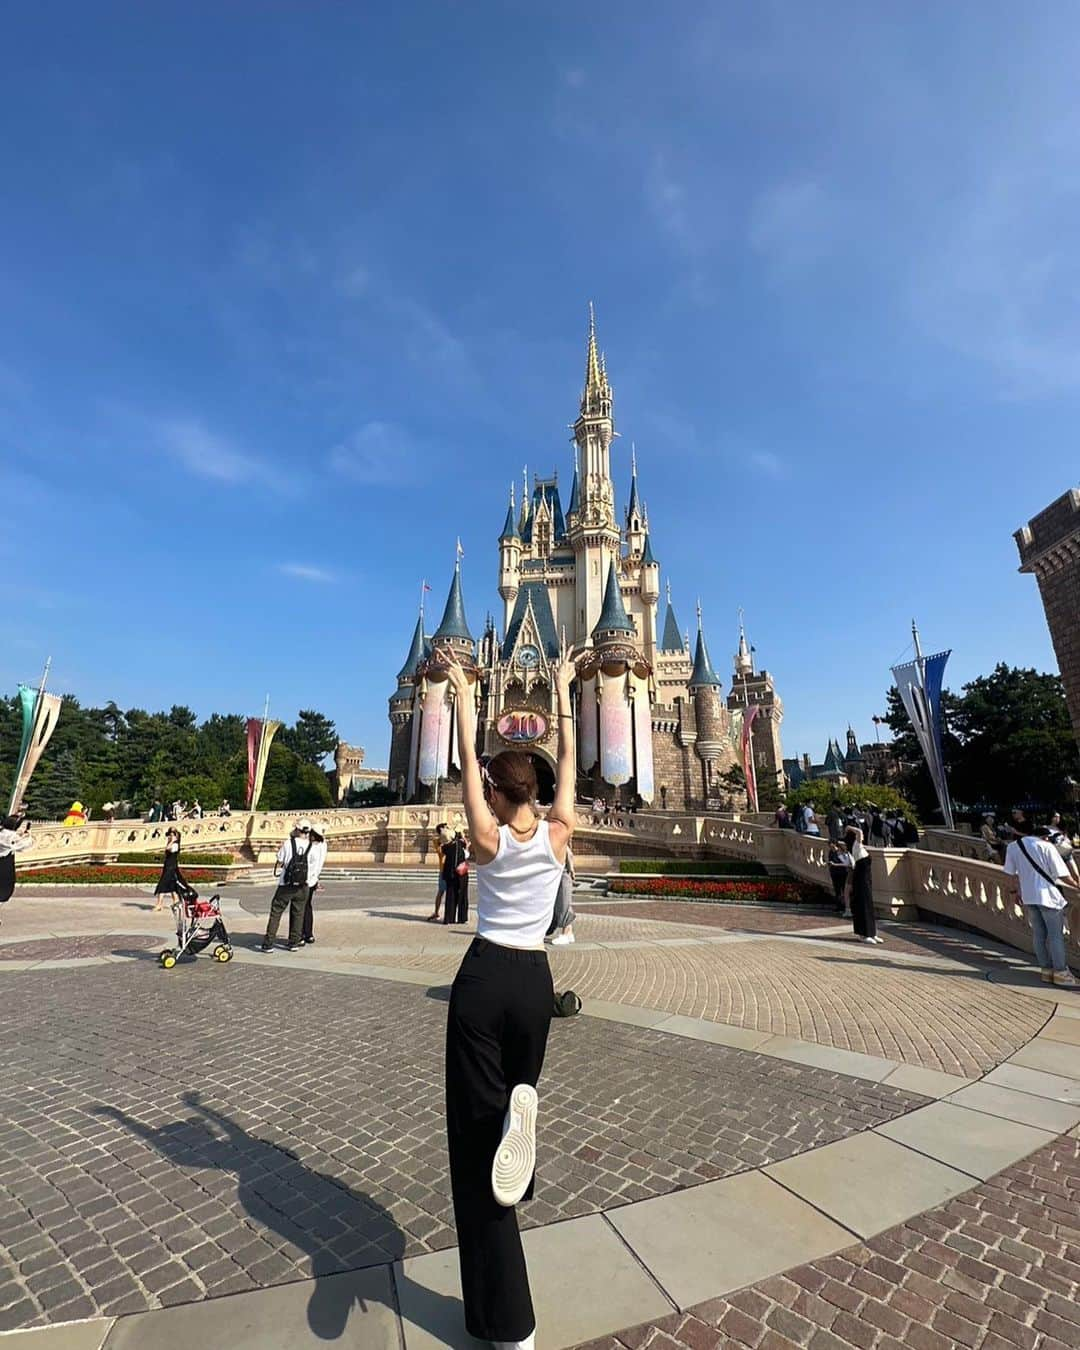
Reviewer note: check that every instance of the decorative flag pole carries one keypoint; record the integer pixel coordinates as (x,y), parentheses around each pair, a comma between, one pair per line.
(919,684)
(40,713)
(260,733)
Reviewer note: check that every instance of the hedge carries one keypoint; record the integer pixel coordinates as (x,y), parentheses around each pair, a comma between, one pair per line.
(742,892)
(203,859)
(663,867)
(87,874)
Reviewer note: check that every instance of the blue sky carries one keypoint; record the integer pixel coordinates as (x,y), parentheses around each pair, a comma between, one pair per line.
(291,292)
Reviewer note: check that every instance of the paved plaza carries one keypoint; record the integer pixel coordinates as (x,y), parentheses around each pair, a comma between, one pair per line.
(761,1134)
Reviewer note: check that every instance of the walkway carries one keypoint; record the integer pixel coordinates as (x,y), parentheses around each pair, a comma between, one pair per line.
(751,1094)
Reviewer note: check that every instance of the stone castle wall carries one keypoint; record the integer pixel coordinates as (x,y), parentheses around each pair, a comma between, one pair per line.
(1049,547)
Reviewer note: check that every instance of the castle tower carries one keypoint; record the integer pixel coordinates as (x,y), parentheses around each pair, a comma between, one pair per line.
(1049,546)
(401,778)
(636,524)
(451,641)
(595,534)
(709,714)
(755,688)
(509,562)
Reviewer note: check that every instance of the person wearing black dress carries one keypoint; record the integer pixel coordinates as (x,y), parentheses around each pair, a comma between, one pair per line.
(170,881)
(456,902)
(862,894)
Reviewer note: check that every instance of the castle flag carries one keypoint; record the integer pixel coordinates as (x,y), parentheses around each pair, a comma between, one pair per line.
(260,733)
(919,684)
(749,772)
(39,714)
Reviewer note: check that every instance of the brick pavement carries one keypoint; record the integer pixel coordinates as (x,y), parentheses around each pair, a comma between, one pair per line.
(994,1269)
(76,948)
(168,1137)
(734,918)
(940,1017)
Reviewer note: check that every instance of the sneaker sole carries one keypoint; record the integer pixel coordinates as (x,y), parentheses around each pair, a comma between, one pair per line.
(515,1158)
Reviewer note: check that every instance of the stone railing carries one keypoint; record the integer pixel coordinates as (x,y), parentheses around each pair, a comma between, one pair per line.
(969,890)
(956,844)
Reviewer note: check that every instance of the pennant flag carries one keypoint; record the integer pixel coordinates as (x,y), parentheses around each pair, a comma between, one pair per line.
(919,684)
(460,551)
(40,713)
(261,733)
(749,772)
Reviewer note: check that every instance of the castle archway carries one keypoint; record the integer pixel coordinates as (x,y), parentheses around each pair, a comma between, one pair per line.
(545,779)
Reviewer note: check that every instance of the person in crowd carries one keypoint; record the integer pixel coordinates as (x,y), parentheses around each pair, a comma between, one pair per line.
(877,827)
(783,818)
(798,818)
(224,809)
(157,811)
(76,814)
(598,811)
(170,881)
(889,829)
(196,812)
(840,865)
(455,871)
(810,825)
(500,1012)
(292,890)
(440,851)
(834,823)
(561,931)
(1039,868)
(14,837)
(861,888)
(989,833)
(1064,845)
(316,863)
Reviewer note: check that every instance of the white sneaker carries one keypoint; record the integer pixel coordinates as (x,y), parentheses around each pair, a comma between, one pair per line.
(877,940)
(515,1158)
(562,940)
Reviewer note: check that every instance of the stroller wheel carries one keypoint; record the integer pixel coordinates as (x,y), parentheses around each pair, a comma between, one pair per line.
(167,959)
(222,953)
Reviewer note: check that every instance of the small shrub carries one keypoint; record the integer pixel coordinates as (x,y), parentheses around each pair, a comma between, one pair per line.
(744,892)
(663,867)
(158,856)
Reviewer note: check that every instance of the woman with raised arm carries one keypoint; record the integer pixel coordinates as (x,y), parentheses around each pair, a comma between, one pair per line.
(500,1012)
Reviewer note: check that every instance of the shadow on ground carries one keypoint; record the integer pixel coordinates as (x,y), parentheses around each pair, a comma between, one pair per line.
(343,1229)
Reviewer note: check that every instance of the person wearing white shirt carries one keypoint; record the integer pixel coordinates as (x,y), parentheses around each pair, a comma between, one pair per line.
(1038,867)
(292,893)
(14,836)
(316,863)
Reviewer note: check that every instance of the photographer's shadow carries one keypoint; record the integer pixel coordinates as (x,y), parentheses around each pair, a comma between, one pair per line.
(349,1231)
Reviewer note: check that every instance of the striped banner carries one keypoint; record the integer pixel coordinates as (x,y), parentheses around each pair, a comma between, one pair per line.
(261,732)
(40,714)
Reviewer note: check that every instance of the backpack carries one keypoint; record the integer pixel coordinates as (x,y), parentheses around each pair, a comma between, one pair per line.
(297,866)
(567,1004)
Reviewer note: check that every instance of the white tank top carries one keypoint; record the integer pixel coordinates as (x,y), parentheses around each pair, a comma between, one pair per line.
(515,892)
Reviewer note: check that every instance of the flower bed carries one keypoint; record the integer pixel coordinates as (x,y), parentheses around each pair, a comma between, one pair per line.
(735,867)
(736,891)
(89,874)
(202,859)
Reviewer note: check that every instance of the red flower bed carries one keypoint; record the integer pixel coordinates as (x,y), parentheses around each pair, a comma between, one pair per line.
(87,874)
(738,889)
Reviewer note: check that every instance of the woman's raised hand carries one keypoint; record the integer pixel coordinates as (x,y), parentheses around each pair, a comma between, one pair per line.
(566,670)
(459,681)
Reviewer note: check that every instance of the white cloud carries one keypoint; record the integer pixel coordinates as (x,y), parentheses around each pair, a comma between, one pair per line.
(378,453)
(307,572)
(793,224)
(574,77)
(769,464)
(666,196)
(208,455)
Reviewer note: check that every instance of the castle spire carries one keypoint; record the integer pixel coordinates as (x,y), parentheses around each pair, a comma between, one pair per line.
(510,529)
(594,374)
(524,518)
(416,651)
(613,616)
(454,624)
(575,490)
(744,661)
(703,670)
(633,509)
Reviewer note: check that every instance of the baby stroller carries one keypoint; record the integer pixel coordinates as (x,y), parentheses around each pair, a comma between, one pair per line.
(198,923)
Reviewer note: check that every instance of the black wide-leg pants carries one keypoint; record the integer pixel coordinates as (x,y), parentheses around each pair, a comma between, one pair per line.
(496,1035)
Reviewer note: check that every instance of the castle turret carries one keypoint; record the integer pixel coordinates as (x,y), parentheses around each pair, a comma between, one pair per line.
(752,688)
(403,712)
(636,524)
(709,716)
(451,641)
(509,561)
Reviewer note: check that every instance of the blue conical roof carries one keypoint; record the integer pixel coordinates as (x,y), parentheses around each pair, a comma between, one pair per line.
(833,759)
(633,509)
(509,529)
(575,495)
(613,617)
(672,639)
(703,670)
(453,623)
(417,652)
(647,553)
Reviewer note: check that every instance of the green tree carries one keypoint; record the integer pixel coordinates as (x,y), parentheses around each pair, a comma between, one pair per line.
(375,794)
(313,736)
(820,793)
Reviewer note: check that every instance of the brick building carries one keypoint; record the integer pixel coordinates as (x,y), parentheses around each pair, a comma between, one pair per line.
(1049,546)
(652,720)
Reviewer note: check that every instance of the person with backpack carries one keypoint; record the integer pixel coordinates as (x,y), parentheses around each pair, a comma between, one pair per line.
(1038,868)
(293,860)
(316,860)
(455,872)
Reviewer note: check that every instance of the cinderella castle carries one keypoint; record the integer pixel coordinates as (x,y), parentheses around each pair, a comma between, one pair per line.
(652,718)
